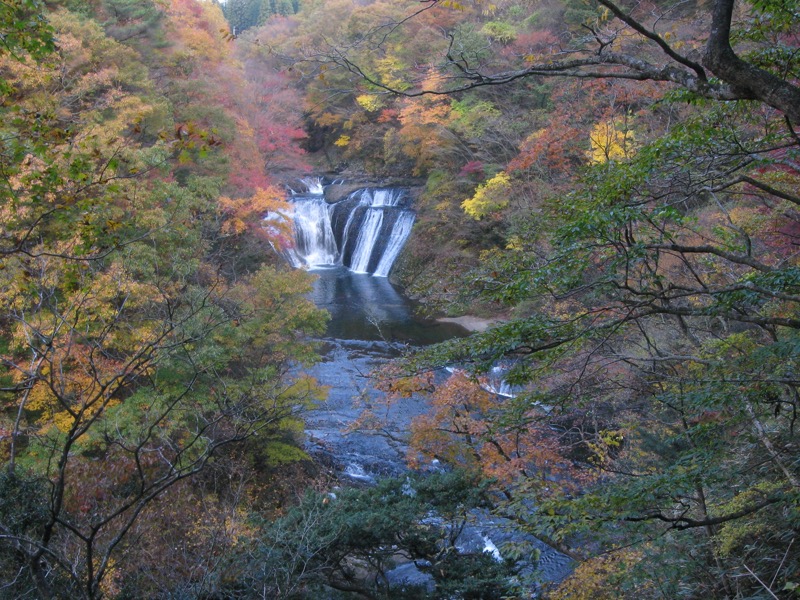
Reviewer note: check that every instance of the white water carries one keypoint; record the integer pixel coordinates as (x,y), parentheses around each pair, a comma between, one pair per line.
(386,197)
(313,186)
(397,239)
(367,229)
(367,237)
(493,382)
(316,244)
(490,548)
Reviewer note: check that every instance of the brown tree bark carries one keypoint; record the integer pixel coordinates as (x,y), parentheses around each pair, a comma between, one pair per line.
(748,80)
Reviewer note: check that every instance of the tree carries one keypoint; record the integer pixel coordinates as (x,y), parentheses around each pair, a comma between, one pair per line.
(129,358)
(349,541)
(654,292)
(661,338)
(242,14)
(627,45)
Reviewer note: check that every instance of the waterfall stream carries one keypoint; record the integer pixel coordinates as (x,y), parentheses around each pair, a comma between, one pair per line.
(354,243)
(371,323)
(363,232)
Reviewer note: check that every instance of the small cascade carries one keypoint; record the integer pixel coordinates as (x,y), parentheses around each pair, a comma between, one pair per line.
(313,185)
(364,232)
(495,382)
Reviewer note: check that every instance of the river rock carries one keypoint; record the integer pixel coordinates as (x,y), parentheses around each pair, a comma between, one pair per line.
(339,190)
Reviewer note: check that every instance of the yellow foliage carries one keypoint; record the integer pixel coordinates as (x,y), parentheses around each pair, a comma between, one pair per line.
(739,532)
(343,141)
(305,390)
(197,33)
(751,220)
(63,421)
(111,583)
(515,243)
(242,211)
(392,73)
(489,197)
(326,119)
(442,206)
(453,4)
(610,140)
(597,578)
(369,102)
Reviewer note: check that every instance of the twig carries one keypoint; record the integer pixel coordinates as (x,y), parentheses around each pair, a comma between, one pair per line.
(764,585)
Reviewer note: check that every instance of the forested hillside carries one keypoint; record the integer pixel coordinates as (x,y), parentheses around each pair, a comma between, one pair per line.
(147,331)
(616,185)
(619,183)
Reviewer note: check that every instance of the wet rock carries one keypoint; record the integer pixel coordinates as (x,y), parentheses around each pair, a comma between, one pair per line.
(408,576)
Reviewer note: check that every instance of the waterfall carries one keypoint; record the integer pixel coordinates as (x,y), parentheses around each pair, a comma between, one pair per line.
(315,243)
(389,197)
(495,382)
(313,185)
(367,237)
(397,238)
(364,232)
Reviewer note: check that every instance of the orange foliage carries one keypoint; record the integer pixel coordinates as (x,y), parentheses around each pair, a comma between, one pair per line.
(461,430)
(599,578)
(246,213)
(196,29)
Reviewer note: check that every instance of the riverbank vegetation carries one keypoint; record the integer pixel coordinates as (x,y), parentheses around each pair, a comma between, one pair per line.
(619,183)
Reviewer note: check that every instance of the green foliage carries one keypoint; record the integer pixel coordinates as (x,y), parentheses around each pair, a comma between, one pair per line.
(469,43)
(23,506)
(245,14)
(659,332)
(25,30)
(242,14)
(499,31)
(134,353)
(472,117)
(139,24)
(326,539)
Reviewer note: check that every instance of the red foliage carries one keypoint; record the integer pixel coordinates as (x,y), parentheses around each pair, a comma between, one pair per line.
(461,429)
(473,168)
(534,42)
(388,115)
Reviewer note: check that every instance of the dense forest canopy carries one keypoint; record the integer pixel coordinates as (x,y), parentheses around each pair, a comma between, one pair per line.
(616,184)
(141,344)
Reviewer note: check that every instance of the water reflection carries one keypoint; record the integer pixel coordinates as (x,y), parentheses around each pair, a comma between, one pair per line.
(364,307)
(371,323)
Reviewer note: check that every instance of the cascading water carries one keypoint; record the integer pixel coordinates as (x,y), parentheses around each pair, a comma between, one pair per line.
(364,232)
(316,244)
(313,186)
(365,243)
(400,232)
(371,321)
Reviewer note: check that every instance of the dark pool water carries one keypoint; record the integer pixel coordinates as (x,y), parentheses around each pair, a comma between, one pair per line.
(368,308)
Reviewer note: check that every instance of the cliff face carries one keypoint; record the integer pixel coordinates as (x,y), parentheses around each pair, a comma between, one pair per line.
(339,191)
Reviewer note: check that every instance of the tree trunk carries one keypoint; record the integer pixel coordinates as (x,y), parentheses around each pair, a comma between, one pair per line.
(750,81)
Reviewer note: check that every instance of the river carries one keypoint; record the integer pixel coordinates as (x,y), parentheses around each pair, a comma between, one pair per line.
(351,244)
(371,323)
